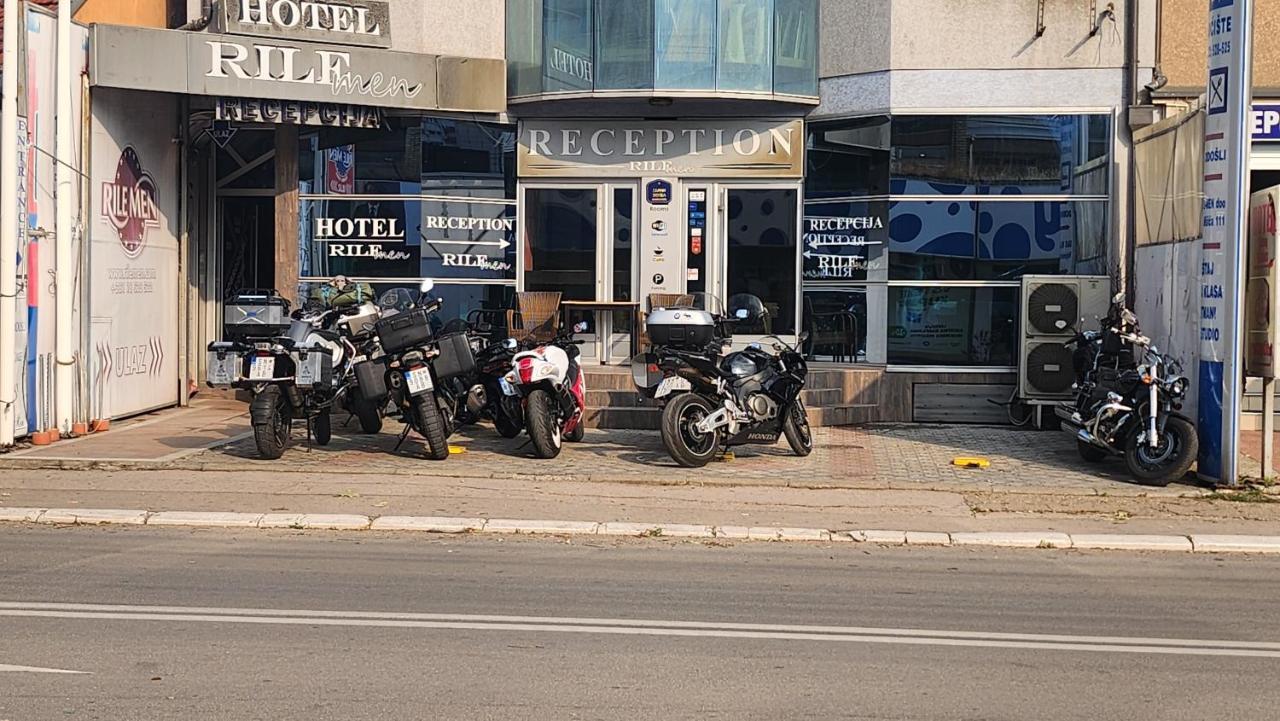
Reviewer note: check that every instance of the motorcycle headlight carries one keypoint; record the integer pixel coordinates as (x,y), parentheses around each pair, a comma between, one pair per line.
(741,366)
(1178,388)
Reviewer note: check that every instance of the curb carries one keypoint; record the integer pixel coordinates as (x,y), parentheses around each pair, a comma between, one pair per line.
(1194,543)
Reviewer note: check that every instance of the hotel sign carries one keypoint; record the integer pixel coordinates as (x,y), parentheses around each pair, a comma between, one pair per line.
(344,22)
(720,149)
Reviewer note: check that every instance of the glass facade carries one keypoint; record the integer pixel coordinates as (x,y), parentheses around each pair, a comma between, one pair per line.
(925,224)
(751,46)
(423,197)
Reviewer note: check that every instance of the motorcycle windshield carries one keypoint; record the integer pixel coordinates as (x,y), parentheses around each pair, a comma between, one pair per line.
(699,301)
(298,331)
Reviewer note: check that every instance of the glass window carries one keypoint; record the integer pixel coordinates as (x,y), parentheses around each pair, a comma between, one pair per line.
(746,46)
(795,47)
(953,326)
(762,255)
(566,50)
(836,320)
(685,41)
(624,44)
(465,158)
(560,238)
(848,158)
(524,47)
(992,154)
(845,241)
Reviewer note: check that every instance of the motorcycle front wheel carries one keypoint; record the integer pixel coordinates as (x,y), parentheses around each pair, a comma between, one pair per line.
(270,412)
(544,426)
(322,428)
(430,422)
(687,445)
(796,428)
(1171,458)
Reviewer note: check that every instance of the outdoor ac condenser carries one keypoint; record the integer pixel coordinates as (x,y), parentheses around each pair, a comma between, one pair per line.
(1053,308)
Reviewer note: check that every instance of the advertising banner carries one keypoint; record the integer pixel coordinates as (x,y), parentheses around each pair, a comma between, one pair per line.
(1224,222)
(133,255)
(340,169)
(1261,292)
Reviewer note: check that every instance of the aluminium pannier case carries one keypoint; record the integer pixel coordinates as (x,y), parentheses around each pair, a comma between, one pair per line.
(455,359)
(224,364)
(403,331)
(255,315)
(684,328)
(312,367)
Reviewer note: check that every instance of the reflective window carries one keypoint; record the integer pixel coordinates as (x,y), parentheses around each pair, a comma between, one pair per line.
(762,256)
(848,158)
(524,47)
(567,48)
(624,44)
(953,326)
(560,238)
(836,320)
(845,241)
(685,33)
(745,50)
(994,154)
(795,47)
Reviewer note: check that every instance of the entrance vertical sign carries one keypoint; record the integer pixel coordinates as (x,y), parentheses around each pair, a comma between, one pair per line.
(1224,220)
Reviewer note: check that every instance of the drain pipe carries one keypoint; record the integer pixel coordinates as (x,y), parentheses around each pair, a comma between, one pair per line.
(1125,268)
(64,265)
(9,226)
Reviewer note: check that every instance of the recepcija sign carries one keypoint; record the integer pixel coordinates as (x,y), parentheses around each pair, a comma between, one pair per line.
(345,22)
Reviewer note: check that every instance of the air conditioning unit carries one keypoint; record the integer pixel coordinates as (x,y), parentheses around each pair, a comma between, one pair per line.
(1053,308)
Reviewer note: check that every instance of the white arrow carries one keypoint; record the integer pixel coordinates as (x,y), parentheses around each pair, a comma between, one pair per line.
(501,244)
(856,243)
(809,254)
(34,669)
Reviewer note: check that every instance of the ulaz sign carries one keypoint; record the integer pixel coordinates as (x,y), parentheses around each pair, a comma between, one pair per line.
(345,22)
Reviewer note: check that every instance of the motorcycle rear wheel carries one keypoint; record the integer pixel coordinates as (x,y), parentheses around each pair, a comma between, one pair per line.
(544,426)
(687,445)
(430,422)
(1170,460)
(367,412)
(272,434)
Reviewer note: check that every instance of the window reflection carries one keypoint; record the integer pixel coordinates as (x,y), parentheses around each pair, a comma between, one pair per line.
(836,320)
(746,47)
(795,47)
(686,39)
(624,44)
(762,256)
(953,326)
(567,58)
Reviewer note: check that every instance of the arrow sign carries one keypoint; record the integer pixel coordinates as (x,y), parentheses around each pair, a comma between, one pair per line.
(501,244)
(811,254)
(852,242)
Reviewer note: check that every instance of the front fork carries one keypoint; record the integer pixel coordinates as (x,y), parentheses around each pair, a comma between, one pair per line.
(1153,408)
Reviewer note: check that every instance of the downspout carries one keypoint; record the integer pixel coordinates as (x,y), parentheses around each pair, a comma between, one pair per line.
(1125,266)
(9,224)
(64,379)
(185,383)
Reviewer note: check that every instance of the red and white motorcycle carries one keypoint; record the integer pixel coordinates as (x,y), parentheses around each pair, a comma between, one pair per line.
(551,383)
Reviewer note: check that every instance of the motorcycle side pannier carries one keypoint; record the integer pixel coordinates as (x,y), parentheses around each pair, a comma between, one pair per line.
(223,365)
(455,359)
(255,315)
(371,379)
(312,367)
(681,328)
(403,331)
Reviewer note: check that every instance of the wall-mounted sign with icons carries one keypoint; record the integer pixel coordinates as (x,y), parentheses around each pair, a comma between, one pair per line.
(697,226)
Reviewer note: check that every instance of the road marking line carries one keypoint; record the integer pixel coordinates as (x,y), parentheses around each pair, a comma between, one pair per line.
(645,628)
(4,667)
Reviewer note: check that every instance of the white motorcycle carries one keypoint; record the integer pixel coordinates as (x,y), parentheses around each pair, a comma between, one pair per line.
(550,380)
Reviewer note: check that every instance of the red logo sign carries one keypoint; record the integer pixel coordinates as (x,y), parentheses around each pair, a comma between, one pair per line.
(340,169)
(129,203)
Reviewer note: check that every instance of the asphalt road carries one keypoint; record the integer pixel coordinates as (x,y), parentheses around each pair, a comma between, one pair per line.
(187,624)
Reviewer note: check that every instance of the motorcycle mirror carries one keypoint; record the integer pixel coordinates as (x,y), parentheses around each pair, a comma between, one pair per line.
(427,285)
(580,327)
(510,344)
(742,314)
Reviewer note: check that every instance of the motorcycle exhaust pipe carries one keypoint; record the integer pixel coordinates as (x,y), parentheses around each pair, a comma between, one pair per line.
(477,399)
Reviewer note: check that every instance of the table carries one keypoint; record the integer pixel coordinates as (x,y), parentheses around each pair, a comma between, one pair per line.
(602,329)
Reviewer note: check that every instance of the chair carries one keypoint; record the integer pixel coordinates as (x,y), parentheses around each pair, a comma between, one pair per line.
(536,317)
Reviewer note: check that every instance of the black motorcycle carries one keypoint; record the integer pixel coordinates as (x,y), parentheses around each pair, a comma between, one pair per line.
(713,401)
(1127,402)
(420,365)
(489,396)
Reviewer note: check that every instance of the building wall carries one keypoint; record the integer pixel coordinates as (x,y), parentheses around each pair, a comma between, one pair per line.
(474,28)
(1185,39)
(141,13)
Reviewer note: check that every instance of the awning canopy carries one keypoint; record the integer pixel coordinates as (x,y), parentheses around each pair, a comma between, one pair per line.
(198,63)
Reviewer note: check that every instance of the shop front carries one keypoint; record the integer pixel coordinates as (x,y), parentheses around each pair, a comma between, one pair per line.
(630,212)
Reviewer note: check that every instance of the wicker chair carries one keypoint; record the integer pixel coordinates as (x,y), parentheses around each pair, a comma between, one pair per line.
(536,317)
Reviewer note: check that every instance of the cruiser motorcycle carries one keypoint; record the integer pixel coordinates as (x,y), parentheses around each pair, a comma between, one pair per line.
(712,401)
(1128,401)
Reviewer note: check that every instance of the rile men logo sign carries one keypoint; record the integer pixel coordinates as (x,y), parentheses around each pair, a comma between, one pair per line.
(347,22)
(129,203)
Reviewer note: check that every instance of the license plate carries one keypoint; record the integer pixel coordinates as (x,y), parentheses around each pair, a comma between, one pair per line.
(507,388)
(418,380)
(263,368)
(670,385)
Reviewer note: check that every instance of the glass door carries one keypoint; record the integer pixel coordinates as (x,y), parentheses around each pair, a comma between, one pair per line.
(559,253)
(757,258)
(621,259)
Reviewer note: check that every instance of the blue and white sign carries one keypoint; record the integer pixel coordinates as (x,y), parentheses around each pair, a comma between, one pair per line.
(1224,222)
(1266,123)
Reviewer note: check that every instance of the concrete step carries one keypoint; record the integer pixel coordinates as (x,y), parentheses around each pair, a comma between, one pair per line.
(609,379)
(847,415)
(814,397)
(626,418)
(614,398)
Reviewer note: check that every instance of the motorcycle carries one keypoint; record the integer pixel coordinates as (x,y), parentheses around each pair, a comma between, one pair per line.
(1129,407)
(419,365)
(550,381)
(486,398)
(288,362)
(712,401)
